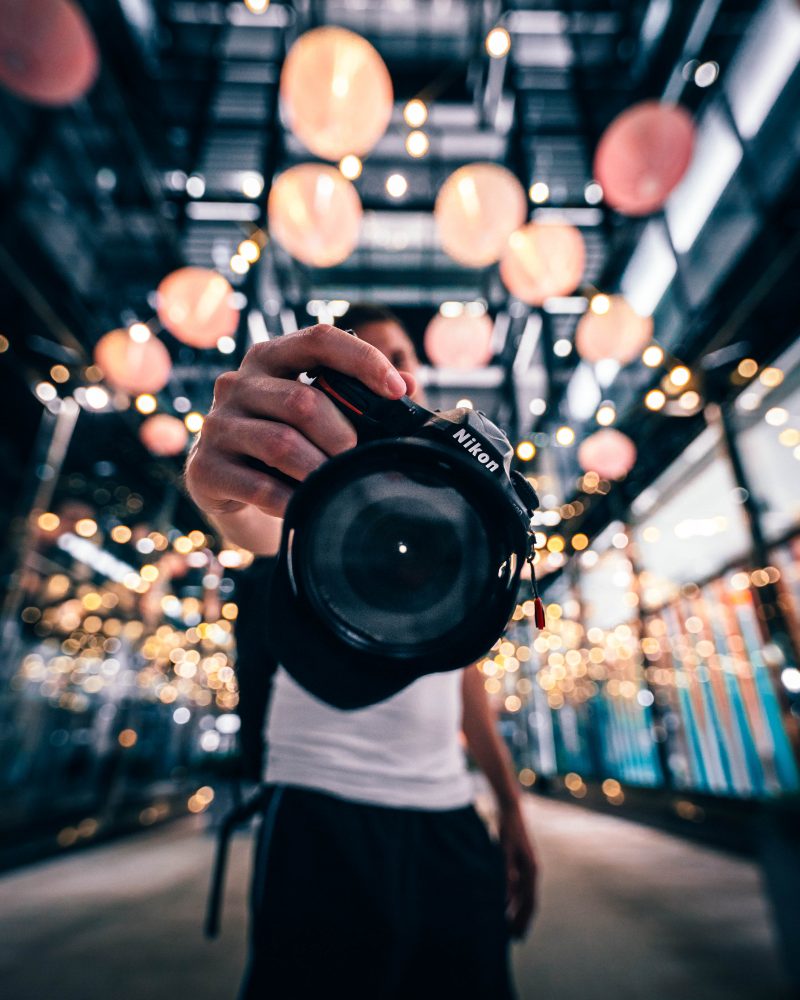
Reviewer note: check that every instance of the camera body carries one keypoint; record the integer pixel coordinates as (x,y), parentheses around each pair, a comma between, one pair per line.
(402,556)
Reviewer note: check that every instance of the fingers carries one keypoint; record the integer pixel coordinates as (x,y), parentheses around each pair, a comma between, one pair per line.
(277,445)
(236,485)
(305,408)
(287,357)
(410,381)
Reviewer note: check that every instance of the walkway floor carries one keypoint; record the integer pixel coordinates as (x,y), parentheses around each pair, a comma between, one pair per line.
(626,913)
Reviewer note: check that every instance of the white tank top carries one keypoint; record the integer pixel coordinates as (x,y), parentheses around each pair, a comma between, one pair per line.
(402,752)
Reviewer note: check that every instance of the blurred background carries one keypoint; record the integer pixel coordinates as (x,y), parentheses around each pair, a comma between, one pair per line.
(586,212)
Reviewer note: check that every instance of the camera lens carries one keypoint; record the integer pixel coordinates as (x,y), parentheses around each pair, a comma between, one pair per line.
(397,559)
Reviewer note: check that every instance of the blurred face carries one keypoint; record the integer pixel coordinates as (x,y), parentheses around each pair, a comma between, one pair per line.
(392,340)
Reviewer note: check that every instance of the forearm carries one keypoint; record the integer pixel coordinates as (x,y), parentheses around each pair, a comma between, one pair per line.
(484,742)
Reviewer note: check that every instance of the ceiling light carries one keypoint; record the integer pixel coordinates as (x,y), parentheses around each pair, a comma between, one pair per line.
(96,397)
(195,186)
(600,304)
(526,451)
(565,436)
(451,309)
(465,404)
(562,348)
(194,422)
(350,166)
(539,192)
(417,144)
(606,415)
(593,193)
(256,6)
(59,373)
(146,403)
(747,367)
(654,399)
(706,73)
(139,332)
(239,265)
(46,391)
(652,356)
(689,400)
(396,185)
(771,377)
(537,407)
(226,345)
(498,42)
(250,250)
(252,184)
(415,113)
(680,375)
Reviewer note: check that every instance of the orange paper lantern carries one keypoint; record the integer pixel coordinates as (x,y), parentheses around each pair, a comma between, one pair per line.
(642,156)
(619,334)
(336,93)
(478,207)
(48,53)
(608,452)
(131,366)
(459,341)
(315,214)
(543,259)
(196,305)
(163,434)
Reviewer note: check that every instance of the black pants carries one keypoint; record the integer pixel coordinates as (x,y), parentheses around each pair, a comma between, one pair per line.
(364,901)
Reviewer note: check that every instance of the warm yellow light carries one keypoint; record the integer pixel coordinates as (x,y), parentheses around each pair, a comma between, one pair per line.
(526,450)
(417,144)
(145,403)
(513,703)
(565,436)
(197,538)
(86,527)
(230,611)
(121,533)
(606,415)
(127,737)
(689,400)
(527,777)
(48,521)
(250,250)
(58,373)
(747,367)
(652,356)
(600,304)
(580,542)
(256,6)
(396,185)
(680,375)
(194,422)
(655,399)
(350,166)
(239,265)
(415,113)
(92,601)
(555,543)
(498,42)
(149,572)
(539,192)
(4,344)
(183,545)
(771,377)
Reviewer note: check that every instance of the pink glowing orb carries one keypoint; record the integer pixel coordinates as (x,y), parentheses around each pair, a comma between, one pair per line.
(196,305)
(130,366)
(164,435)
(478,207)
(315,214)
(48,53)
(608,452)
(543,259)
(336,93)
(459,341)
(619,334)
(642,156)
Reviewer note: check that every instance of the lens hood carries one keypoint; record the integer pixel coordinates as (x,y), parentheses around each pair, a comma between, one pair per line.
(331,655)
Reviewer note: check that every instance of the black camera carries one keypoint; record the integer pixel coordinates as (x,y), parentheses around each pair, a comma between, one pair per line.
(402,556)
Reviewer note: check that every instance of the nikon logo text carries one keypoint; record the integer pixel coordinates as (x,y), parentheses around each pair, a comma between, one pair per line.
(467,441)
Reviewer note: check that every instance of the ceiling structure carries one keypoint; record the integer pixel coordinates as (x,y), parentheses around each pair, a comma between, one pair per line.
(170,158)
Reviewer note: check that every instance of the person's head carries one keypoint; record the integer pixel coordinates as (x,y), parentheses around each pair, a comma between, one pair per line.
(380,327)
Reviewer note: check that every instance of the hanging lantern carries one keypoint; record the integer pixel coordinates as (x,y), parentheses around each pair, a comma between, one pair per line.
(164,435)
(48,53)
(543,259)
(478,207)
(620,333)
(459,341)
(196,305)
(315,214)
(336,93)
(608,452)
(131,366)
(642,156)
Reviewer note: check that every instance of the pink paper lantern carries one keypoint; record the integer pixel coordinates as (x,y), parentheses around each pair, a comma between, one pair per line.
(130,366)
(336,93)
(543,259)
(48,53)
(619,334)
(459,341)
(608,452)
(642,156)
(478,207)
(196,305)
(163,434)
(315,214)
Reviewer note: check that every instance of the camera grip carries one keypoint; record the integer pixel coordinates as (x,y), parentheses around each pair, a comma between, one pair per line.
(372,415)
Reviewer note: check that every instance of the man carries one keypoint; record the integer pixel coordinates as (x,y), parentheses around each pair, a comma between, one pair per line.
(374,876)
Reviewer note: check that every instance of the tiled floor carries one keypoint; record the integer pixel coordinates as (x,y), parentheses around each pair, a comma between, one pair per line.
(626,912)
